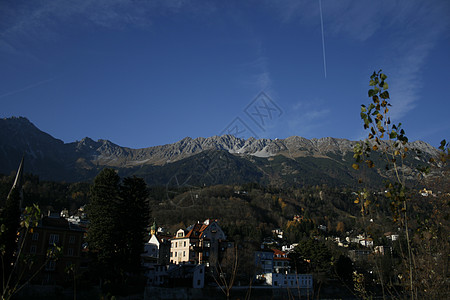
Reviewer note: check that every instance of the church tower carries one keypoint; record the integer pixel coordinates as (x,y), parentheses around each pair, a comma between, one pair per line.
(153,228)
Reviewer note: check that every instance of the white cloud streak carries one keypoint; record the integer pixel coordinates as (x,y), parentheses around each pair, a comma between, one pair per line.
(414,29)
(10,93)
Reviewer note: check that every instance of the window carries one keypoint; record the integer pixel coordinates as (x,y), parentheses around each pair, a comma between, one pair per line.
(184,253)
(35,236)
(54,239)
(70,251)
(33,249)
(72,239)
(175,254)
(184,243)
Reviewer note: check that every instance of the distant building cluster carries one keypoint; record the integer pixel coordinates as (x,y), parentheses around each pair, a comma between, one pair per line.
(182,259)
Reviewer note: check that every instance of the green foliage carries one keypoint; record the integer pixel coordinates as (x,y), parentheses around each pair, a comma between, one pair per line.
(134,221)
(104,215)
(18,275)
(311,256)
(118,213)
(359,285)
(48,195)
(10,224)
(385,138)
(388,138)
(423,244)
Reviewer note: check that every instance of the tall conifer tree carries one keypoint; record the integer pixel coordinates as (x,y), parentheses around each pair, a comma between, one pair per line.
(136,219)
(104,229)
(119,215)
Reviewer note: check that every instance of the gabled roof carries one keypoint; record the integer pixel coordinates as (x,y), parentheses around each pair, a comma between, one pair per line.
(196,231)
(279,255)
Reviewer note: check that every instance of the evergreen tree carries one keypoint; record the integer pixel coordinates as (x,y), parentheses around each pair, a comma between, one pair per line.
(136,214)
(104,229)
(118,214)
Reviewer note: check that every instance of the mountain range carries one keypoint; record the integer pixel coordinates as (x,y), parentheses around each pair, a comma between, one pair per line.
(201,161)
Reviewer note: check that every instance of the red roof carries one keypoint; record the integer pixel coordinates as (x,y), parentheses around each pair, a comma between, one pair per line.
(279,255)
(196,231)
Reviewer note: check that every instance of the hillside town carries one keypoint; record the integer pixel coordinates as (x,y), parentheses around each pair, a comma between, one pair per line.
(192,258)
(113,245)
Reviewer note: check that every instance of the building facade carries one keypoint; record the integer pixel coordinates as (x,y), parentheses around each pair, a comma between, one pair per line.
(201,243)
(282,280)
(50,234)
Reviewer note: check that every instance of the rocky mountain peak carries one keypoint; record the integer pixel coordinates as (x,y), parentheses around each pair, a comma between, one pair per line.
(18,136)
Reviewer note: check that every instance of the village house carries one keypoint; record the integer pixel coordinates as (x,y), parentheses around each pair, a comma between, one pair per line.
(157,249)
(391,236)
(283,280)
(281,263)
(278,233)
(264,261)
(289,248)
(202,243)
(55,231)
(273,269)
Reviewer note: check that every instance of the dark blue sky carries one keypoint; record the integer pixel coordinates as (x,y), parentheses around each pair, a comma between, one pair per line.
(144,73)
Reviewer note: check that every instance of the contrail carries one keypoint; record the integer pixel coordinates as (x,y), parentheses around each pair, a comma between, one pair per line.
(26,88)
(323,40)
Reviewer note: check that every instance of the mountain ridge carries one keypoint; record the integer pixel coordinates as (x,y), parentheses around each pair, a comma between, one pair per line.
(51,158)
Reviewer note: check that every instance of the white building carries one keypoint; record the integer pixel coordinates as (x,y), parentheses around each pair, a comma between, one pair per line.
(157,249)
(289,248)
(302,281)
(198,244)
